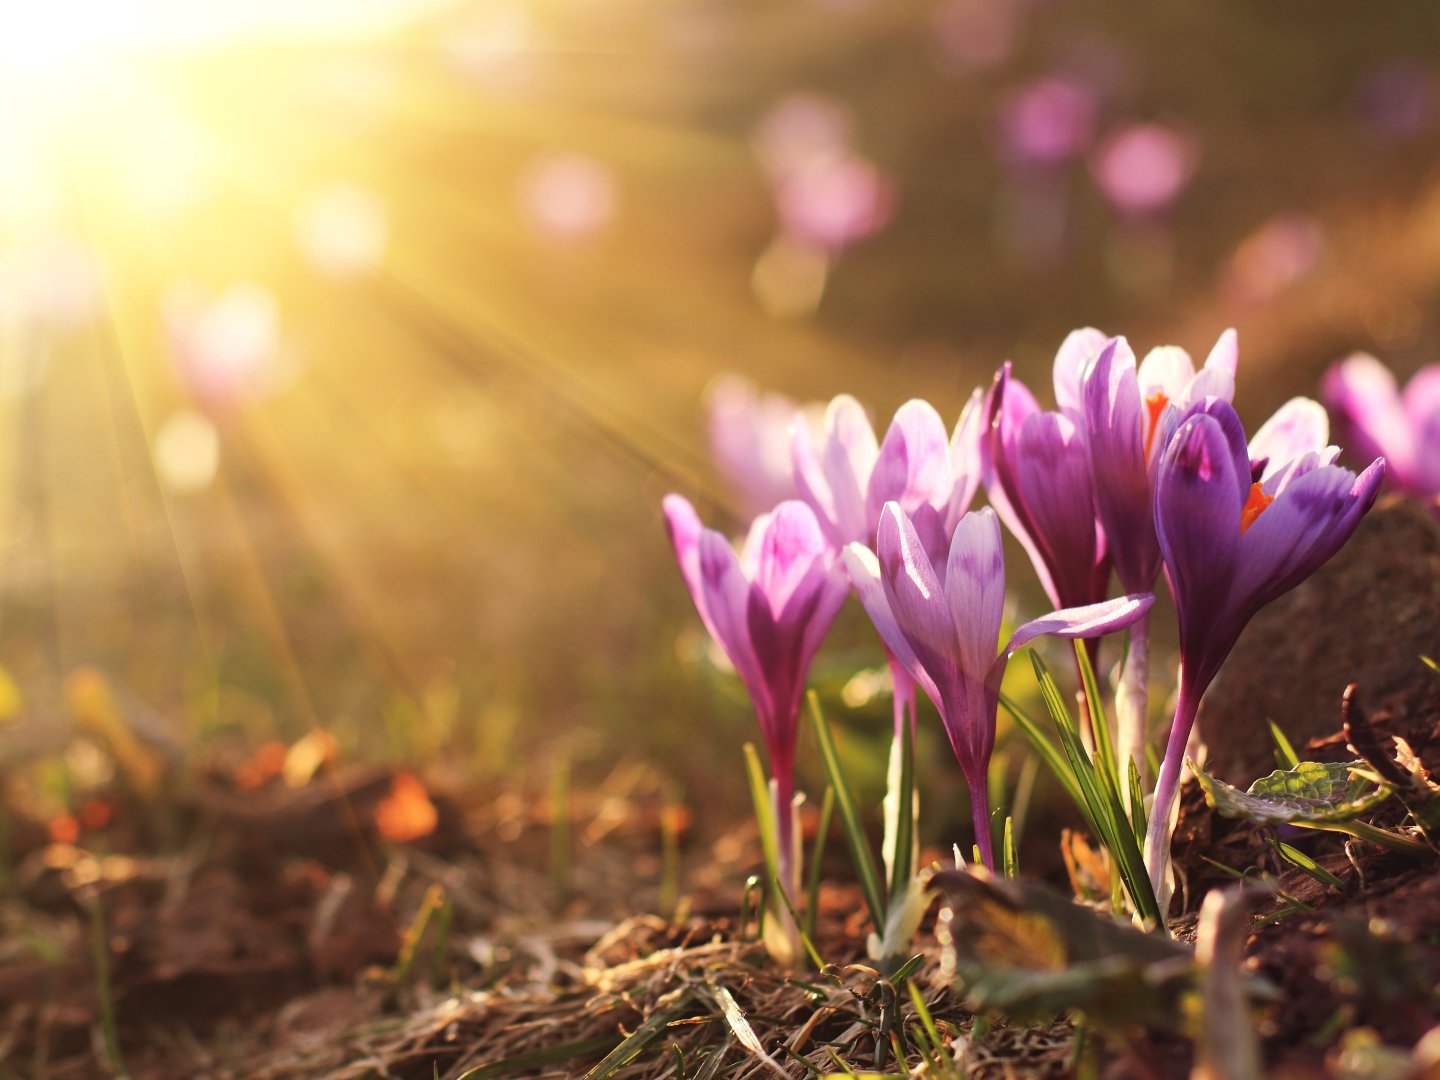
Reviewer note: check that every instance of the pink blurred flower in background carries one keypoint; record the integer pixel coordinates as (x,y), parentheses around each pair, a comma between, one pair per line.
(750,434)
(978,35)
(226,347)
(1275,256)
(1048,121)
(568,195)
(1399,100)
(1142,169)
(343,229)
(1379,420)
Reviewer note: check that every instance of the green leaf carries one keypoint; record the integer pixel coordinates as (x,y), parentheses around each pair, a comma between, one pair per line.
(764,811)
(849,817)
(1284,752)
(1296,857)
(1028,951)
(905,818)
(1312,793)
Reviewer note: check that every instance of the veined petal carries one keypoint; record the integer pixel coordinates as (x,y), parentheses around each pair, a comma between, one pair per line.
(1363,391)
(1306,524)
(1277,481)
(913,465)
(864,570)
(1115,422)
(1201,488)
(1298,426)
(1166,370)
(1008,404)
(685,529)
(916,598)
(727,599)
(1422,406)
(789,546)
(965,464)
(1089,621)
(975,589)
(1209,382)
(833,480)
(1052,470)
(1225,354)
(1076,351)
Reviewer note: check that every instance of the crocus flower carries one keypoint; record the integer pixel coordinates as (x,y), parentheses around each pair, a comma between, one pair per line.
(1037,476)
(1380,419)
(941,618)
(850,477)
(1128,414)
(768,610)
(749,435)
(1234,536)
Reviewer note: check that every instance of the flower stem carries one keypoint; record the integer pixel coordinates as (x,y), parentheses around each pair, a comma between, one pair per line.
(1132,703)
(980,815)
(1167,788)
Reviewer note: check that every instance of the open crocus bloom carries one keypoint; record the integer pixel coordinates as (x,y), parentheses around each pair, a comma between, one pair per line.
(768,609)
(1037,475)
(1235,535)
(1404,428)
(1129,412)
(940,618)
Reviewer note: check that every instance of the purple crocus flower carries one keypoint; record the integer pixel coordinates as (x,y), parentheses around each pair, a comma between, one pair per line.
(749,433)
(1128,414)
(1380,419)
(1235,535)
(940,615)
(768,609)
(850,477)
(1037,476)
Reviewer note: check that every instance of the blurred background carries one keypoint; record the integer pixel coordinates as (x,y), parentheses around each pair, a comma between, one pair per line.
(347,348)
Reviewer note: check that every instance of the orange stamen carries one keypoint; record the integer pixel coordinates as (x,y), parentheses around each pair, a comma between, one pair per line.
(1154,406)
(1254,507)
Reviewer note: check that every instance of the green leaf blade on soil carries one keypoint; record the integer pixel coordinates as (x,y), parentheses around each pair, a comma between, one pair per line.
(1312,793)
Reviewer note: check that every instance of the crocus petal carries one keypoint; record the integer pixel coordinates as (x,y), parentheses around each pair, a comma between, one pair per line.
(833,481)
(965,466)
(1298,426)
(1201,488)
(1278,480)
(1225,354)
(916,598)
(685,530)
(750,441)
(1053,468)
(1008,404)
(975,589)
(1209,382)
(1092,620)
(1076,351)
(1363,391)
(1115,424)
(789,546)
(864,570)
(913,465)
(727,599)
(1306,524)
(1422,407)
(1166,370)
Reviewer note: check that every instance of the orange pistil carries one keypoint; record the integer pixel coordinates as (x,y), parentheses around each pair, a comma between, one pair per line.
(1254,506)
(1154,406)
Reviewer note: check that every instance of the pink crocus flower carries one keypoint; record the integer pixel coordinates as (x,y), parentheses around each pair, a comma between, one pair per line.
(1037,476)
(850,476)
(1239,526)
(940,614)
(750,433)
(1403,427)
(768,609)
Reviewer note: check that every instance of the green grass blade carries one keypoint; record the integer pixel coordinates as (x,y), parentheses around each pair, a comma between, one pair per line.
(1099,725)
(1431,664)
(1044,748)
(809,945)
(1285,756)
(817,855)
(1295,857)
(849,818)
(905,819)
(764,811)
(1139,819)
(630,1049)
(1010,857)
